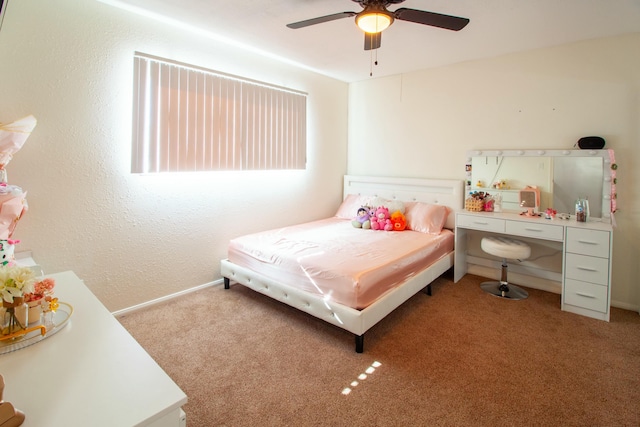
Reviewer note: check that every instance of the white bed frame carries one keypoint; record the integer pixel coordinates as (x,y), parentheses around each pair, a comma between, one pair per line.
(435,191)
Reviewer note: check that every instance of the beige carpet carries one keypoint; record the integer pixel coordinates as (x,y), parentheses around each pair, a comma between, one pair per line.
(458,358)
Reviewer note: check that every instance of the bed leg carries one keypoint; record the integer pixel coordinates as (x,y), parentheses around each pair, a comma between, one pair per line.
(226,282)
(360,343)
(427,290)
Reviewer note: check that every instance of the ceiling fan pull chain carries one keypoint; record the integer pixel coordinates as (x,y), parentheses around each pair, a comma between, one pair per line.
(371,63)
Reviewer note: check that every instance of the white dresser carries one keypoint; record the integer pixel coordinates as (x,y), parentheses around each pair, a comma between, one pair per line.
(586,254)
(90,373)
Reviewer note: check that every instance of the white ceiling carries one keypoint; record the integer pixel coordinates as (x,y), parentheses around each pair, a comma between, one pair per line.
(336,48)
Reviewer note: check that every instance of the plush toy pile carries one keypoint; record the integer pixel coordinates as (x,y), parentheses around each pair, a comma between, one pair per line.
(381,214)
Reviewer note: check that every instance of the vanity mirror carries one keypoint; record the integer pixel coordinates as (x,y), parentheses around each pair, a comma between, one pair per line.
(562,176)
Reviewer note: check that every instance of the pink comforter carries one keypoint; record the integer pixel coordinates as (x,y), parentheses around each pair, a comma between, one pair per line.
(330,257)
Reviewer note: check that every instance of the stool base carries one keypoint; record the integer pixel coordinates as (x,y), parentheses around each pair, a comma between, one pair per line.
(504,290)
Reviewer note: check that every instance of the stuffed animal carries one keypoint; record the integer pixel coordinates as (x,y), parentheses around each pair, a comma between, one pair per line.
(362,218)
(372,212)
(7,250)
(381,220)
(399,221)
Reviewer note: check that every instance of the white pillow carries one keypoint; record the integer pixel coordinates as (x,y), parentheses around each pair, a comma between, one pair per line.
(392,205)
(350,205)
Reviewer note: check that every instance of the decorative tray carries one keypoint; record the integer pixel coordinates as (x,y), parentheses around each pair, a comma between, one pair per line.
(60,319)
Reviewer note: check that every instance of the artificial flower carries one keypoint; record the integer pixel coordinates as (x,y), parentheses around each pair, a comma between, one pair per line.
(54,304)
(16,281)
(41,289)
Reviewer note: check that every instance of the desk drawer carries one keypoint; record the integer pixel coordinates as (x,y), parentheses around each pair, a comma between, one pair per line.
(480,222)
(585,295)
(587,268)
(588,242)
(535,229)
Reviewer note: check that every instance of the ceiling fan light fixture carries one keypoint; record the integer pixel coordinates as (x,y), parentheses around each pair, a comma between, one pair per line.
(373,22)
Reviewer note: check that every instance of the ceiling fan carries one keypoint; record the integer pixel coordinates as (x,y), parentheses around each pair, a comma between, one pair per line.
(374,18)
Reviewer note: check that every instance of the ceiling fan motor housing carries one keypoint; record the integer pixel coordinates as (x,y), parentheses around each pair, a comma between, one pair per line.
(374,18)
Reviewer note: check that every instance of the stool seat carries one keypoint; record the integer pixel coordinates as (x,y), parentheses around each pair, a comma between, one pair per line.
(505,248)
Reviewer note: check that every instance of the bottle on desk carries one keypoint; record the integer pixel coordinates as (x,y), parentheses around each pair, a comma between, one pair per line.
(582,210)
(497,203)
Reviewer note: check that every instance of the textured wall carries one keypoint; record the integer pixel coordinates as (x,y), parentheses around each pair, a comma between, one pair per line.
(136,238)
(546,98)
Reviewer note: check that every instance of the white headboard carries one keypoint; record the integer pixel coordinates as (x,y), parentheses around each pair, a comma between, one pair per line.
(448,192)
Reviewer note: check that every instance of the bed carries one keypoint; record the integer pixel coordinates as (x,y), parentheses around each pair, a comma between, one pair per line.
(347,276)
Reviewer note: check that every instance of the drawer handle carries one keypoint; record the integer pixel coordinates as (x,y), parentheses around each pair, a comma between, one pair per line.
(533,229)
(480,223)
(582,294)
(587,242)
(593,270)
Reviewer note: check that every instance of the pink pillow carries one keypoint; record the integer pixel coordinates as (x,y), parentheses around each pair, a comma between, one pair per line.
(349,207)
(426,218)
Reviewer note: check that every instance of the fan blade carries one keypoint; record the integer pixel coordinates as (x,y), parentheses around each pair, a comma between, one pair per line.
(320,20)
(448,22)
(372,41)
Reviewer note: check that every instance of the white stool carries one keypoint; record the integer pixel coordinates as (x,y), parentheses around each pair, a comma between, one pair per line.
(505,248)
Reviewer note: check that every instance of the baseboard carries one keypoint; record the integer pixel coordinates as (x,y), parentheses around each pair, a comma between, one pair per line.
(165,298)
(625,306)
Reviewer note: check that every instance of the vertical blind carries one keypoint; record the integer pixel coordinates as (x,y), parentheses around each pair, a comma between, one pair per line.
(191,119)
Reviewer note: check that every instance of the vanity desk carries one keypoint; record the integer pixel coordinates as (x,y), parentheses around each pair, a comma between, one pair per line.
(586,254)
(585,247)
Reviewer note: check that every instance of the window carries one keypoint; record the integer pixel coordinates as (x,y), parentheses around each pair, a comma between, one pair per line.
(190,119)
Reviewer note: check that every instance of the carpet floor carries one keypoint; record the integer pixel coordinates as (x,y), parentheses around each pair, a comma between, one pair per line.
(461,357)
